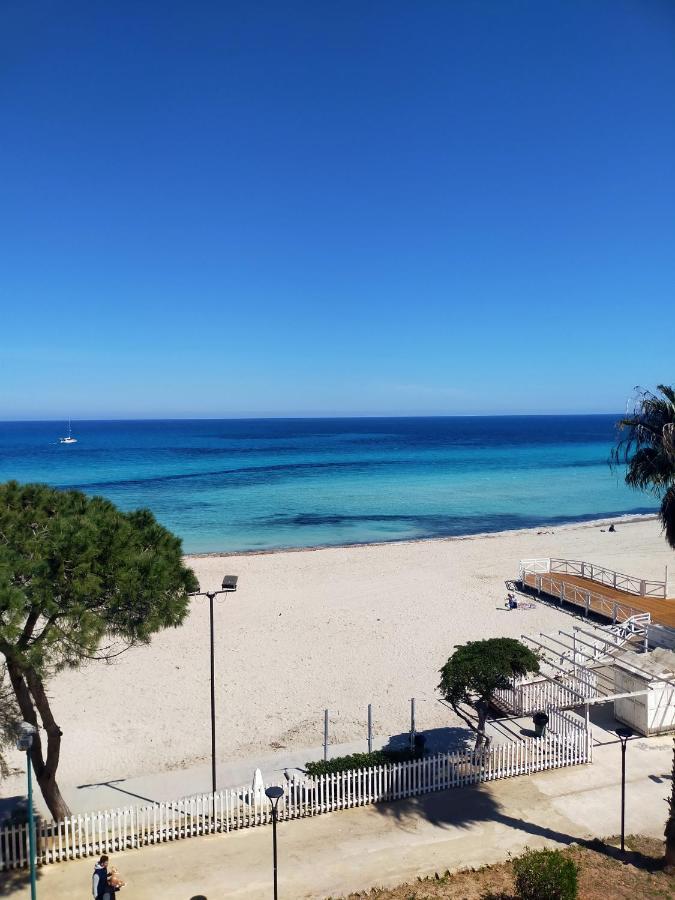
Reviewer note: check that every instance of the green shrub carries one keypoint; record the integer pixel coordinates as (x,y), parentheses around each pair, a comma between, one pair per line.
(545,875)
(358,761)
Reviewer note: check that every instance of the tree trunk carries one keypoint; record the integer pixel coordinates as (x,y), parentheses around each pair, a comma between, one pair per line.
(30,695)
(482,712)
(52,795)
(670,827)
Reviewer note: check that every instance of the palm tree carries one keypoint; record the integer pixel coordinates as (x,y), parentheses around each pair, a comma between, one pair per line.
(647,448)
(670,826)
(648,451)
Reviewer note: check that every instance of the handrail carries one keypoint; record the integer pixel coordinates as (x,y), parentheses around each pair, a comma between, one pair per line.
(629,584)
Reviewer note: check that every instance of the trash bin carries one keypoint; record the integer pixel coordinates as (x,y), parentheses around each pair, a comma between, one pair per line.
(540,720)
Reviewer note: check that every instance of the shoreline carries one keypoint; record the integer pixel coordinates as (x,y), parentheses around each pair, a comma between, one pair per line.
(542,528)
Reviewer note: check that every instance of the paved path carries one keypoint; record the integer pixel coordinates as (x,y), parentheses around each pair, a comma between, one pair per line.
(333,854)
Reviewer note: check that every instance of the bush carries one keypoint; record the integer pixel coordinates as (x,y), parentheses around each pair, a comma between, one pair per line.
(359,761)
(545,875)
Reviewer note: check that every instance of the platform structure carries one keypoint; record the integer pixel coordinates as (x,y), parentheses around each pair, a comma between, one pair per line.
(595,589)
(580,667)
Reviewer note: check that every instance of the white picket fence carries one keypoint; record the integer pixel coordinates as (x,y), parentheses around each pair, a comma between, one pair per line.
(567,743)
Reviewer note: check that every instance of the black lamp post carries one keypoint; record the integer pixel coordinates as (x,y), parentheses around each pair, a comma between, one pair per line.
(228,586)
(25,742)
(623,733)
(274,794)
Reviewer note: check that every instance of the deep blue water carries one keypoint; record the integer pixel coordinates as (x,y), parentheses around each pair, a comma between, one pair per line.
(267,483)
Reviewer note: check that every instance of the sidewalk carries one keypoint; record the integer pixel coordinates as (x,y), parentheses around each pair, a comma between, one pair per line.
(333,854)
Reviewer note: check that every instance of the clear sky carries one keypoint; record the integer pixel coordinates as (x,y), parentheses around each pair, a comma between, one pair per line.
(241,208)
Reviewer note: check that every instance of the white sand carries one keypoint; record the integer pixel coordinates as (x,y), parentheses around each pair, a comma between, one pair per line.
(337,628)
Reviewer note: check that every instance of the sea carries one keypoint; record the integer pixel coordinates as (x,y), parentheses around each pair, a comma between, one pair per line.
(264,484)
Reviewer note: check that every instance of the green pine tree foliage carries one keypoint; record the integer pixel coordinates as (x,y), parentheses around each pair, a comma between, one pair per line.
(79,580)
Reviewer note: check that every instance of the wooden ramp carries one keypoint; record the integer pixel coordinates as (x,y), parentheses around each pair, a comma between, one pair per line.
(602,599)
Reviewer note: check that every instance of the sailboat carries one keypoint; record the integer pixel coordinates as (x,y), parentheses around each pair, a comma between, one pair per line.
(70,439)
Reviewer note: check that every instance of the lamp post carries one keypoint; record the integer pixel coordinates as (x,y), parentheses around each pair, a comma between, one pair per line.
(229,585)
(25,742)
(623,733)
(274,794)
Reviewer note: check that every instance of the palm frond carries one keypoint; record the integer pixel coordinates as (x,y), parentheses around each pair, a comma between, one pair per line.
(667,515)
(646,441)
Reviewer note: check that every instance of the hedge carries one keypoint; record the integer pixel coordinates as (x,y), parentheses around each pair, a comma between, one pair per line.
(359,761)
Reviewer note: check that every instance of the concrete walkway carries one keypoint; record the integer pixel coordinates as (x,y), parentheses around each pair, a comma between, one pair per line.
(333,854)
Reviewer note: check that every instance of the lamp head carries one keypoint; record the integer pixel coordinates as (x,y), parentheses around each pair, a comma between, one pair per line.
(24,739)
(274,793)
(624,732)
(230,583)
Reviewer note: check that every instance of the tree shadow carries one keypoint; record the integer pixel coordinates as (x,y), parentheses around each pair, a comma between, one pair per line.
(16,881)
(12,806)
(436,740)
(466,806)
(14,811)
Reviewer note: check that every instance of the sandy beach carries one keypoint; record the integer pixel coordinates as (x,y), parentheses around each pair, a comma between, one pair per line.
(336,628)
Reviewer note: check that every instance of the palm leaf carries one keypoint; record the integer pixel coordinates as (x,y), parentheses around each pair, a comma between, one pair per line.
(646,447)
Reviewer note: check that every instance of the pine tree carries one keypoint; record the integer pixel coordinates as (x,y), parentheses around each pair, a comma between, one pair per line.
(79,580)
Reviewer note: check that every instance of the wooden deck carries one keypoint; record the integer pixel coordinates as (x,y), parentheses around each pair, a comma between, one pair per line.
(602,599)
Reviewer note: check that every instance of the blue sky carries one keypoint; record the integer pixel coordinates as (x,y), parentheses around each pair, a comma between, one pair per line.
(335,208)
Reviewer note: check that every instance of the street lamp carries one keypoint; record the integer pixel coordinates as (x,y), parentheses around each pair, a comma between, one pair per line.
(274,794)
(229,585)
(25,742)
(623,733)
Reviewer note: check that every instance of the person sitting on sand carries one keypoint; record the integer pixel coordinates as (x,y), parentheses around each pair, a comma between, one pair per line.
(511,601)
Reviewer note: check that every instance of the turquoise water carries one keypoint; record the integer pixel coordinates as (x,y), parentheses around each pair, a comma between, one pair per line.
(226,485)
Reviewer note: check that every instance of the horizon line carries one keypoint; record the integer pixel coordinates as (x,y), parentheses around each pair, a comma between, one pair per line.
(317,416)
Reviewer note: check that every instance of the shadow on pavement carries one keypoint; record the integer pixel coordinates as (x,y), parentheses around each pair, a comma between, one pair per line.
(16,881)
(449,739)
(463,807)
(112,784)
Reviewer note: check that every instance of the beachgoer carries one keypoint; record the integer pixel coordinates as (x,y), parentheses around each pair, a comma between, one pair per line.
(100,889)
(511,601)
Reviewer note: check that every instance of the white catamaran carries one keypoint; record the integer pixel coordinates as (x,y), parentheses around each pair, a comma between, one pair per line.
(70,439)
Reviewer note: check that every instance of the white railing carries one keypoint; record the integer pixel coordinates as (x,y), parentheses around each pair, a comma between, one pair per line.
(601,575)
(548,694)
(637,625)
(111,831)
(534,566)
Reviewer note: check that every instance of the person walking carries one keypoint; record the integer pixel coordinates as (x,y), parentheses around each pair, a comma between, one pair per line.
(99,881)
